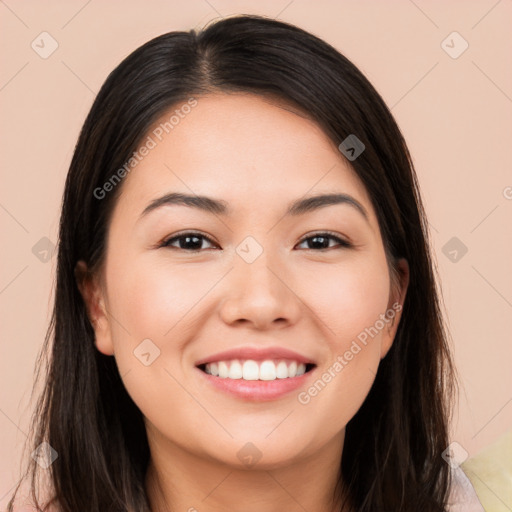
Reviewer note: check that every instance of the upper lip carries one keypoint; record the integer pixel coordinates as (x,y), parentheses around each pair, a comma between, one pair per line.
(256,354)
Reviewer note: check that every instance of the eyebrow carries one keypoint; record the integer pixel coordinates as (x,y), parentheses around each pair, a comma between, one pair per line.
(221,207)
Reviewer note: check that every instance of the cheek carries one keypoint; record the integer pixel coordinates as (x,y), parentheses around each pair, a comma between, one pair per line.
(347,298)
(349,305)
(156,302)
(152,299)
(160,302)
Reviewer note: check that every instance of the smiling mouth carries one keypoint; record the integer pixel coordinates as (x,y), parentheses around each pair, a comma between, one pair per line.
(252,370)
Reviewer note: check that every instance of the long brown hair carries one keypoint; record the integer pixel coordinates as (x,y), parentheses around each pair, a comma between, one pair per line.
(392,454)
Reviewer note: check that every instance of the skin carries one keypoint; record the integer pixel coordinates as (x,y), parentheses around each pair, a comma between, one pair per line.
(258,156)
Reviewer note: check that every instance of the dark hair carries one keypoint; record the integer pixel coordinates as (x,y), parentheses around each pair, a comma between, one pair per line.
(391,459)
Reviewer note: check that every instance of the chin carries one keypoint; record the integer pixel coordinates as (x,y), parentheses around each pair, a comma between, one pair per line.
(261,454)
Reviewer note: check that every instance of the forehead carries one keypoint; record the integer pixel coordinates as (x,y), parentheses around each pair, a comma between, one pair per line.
(242,148)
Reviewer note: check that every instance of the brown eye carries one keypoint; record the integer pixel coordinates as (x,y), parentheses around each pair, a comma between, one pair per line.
(321,241)
(189,241)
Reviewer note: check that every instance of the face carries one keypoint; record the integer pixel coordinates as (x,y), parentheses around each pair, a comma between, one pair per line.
(214,313)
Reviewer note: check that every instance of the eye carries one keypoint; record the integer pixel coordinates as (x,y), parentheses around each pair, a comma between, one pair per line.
(189,241)
(321,241)
(192,241)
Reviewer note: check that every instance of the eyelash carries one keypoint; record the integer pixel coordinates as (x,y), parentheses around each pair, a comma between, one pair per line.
(323,234)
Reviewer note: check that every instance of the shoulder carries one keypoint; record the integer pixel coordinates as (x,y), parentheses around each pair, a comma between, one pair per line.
(490,472)
(463,497)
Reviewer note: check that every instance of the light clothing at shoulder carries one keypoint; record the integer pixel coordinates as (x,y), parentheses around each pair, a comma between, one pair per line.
(490,472)
(463,497)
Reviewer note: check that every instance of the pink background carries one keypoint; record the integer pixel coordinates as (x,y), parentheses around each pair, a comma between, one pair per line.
(455,113)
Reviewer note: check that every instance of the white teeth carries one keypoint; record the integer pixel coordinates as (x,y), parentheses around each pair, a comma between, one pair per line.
(282,370)
(253,370)
(223,370)
(235,370)
(268,370)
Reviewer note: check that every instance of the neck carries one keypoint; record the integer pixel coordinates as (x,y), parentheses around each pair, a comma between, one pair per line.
(180,480)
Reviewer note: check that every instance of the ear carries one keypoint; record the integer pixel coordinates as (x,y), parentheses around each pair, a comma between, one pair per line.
(94,298)
(395,306)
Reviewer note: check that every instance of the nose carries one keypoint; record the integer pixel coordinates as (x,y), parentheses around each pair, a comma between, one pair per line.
(260,295)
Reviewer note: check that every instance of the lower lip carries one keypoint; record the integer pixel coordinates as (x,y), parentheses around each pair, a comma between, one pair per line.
(257,390)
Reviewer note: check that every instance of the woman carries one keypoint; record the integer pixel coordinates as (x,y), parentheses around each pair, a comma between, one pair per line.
(246,313)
